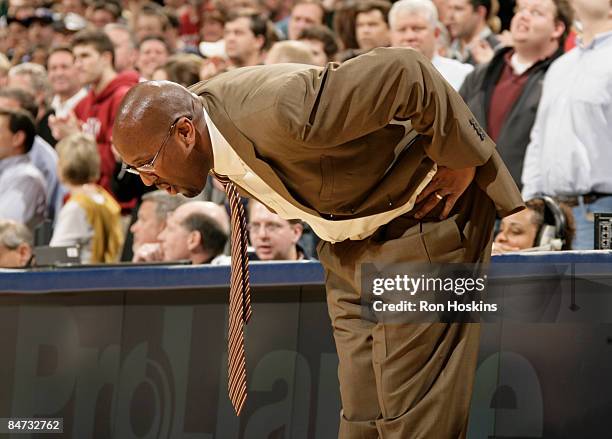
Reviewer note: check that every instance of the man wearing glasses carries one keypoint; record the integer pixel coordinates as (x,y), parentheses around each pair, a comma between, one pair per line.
(274,238)
(381,157)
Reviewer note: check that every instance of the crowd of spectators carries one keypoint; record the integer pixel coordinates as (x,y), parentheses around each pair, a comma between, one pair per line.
(536,75)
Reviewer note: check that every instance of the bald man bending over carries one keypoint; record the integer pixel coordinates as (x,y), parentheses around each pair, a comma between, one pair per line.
(389,170)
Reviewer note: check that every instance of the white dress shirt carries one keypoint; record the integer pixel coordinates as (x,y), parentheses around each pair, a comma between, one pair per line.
(23,196)
(570,152)
(63,109)
(452,70)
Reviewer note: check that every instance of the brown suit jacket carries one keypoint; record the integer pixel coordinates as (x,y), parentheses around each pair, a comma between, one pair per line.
(324,138)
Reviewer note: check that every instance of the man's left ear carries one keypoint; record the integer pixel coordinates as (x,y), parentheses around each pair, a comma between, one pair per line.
(18,139)
(482,11)
(298,229)
(186,132)
(261,42)
(194,240)
(25,253)
(108,57)
(559,29)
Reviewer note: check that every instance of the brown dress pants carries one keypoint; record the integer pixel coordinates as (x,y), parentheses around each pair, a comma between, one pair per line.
(406,381)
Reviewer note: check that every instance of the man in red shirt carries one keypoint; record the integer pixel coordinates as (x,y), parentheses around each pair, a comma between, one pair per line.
(95,114)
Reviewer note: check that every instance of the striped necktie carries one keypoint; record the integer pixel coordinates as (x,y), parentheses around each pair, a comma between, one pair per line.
(239,297)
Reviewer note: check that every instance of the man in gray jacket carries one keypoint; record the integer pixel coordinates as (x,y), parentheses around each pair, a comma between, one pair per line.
(504,94)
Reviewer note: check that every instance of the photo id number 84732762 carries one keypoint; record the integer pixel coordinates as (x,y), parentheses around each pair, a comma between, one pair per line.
(31,425)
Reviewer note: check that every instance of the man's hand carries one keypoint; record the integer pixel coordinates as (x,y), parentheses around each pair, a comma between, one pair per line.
(211,67)
(446,186)
(150,252)
(482,51)
(64,126)
(505,39)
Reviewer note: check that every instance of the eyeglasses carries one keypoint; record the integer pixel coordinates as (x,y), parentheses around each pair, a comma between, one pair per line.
(270,228)
(149,168)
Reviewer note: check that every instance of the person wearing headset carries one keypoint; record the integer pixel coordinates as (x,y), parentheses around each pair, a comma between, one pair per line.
(544,226)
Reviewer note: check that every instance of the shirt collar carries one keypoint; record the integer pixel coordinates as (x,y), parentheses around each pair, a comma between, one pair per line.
(485,32)
(12,161)
(301,254)
(517,68)
(599,39)
(56,102)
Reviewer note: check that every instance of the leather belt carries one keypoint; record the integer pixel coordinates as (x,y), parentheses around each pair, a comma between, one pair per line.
(574,200)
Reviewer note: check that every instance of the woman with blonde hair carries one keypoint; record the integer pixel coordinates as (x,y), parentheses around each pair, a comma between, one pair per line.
(91,218)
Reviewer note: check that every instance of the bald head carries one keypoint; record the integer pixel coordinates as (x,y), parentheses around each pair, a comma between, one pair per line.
(290,52)
(152,106)
(197,230)
(160,125)
(212,210)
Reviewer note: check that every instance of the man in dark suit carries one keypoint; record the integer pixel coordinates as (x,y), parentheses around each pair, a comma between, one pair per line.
(381,157)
